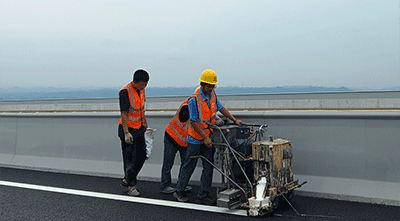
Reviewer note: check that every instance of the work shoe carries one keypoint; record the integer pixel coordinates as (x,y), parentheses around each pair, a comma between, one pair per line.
(167,190)
(124,183)
(205,200)
(188,188)
(181,197)
(133,192)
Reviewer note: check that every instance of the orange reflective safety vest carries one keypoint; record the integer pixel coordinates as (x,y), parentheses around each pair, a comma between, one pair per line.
(207,114)
(178,130)
(136,107)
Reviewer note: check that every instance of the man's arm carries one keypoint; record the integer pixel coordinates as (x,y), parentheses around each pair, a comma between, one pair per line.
(198,130)
(226,113)
(206,139)
(124,107)
(124,117)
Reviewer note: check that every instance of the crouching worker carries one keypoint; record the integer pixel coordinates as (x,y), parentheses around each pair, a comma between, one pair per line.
(174,141)
(203,107)
(131,129)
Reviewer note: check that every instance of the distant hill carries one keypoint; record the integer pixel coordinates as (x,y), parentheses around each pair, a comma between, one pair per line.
(54,93)
(45,93)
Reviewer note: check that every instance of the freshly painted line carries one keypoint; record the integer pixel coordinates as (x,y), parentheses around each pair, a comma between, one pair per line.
(126,198)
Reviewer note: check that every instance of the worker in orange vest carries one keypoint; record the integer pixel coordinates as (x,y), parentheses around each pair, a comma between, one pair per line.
(203,107)
(174,141)
(131,129)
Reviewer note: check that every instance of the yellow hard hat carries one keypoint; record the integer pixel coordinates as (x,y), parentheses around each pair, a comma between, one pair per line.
(209,76)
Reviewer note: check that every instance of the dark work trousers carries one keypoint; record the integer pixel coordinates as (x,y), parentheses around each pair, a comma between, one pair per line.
(170,150)
(133,156)
(190,164)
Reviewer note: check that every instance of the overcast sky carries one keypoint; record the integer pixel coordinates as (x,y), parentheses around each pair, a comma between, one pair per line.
(98,43)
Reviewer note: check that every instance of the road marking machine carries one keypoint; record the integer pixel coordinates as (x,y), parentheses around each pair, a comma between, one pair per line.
(256,173)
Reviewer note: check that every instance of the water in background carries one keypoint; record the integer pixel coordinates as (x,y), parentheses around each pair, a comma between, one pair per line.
(45,93)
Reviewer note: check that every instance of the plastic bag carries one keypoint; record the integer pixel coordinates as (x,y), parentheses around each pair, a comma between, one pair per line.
(149,137)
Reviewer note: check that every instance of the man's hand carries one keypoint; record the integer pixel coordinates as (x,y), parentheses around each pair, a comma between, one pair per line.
(208,142)
(238,122)
(128,138)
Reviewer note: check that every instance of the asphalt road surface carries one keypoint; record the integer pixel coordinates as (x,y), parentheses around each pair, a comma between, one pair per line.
(38,195)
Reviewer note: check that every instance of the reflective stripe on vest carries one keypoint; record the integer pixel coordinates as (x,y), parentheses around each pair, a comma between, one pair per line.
(132,109)
(136,108)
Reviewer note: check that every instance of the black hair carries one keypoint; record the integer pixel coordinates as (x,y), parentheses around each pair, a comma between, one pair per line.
(141,75)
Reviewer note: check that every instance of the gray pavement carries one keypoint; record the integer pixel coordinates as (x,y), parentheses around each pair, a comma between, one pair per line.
(18,203)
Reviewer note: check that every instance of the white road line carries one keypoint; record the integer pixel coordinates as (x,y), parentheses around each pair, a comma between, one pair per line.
(126,198)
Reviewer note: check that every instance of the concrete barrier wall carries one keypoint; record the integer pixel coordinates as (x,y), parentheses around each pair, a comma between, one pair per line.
(81,142)
(343,154)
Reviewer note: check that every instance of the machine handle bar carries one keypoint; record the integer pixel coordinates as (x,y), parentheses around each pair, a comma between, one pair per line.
(244,124)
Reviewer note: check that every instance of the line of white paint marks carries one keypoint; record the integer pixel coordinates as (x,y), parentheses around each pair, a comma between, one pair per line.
(126,198)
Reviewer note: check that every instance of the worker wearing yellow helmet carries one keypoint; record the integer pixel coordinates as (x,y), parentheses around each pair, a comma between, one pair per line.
(203,108)
(209,77)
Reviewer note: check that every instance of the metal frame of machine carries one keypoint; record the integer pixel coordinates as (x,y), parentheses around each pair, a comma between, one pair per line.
(256,173)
